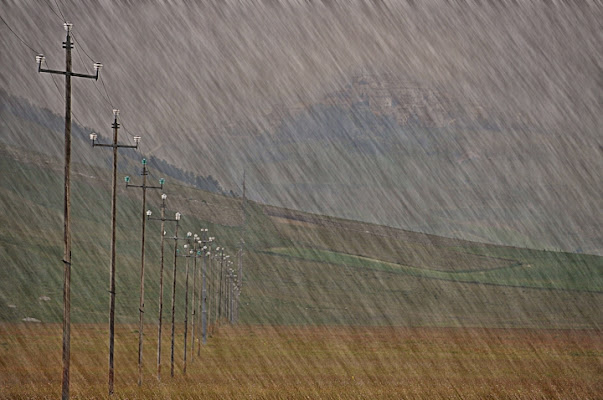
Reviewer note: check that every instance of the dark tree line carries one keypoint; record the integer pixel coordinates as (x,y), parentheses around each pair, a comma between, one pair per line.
(207,183)
(24,109)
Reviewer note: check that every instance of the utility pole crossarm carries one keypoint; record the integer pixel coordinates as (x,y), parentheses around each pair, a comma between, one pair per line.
(97,68)
(161,219)
(144,186)
(54,71)
(120,146)
(95,76)
(114,145)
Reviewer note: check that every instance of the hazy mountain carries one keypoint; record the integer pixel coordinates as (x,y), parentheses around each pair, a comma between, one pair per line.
(428,164)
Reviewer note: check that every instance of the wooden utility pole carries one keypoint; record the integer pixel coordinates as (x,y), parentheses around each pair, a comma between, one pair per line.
(220,289)
(67,45)
(193,310)
(176,238)
(231,276)
(244,226)
(235,306)
(239,282)
(160,319)
(144,188)
(211,292)
(203,301)
(197,241)
(227,282)
(206,242)
(188,253)
(114,146)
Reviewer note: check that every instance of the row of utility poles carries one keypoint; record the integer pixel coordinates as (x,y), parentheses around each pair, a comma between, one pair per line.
(213,287)
(219,283)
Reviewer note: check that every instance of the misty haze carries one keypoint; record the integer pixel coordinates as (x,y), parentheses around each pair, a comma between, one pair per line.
(360,199)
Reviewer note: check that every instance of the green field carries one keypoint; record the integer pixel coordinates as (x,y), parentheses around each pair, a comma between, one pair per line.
(298,268)
(533,270)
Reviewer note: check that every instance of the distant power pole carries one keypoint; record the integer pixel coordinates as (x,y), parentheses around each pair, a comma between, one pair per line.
(162,219)
(242,242)
(232,278)
(196,241)
(236,292)
(188,253)
(222,287)
(228,293)
(237,296)
(211,290)
(114,146)
(144,188)
(206,249)
(67,45)
(176,238)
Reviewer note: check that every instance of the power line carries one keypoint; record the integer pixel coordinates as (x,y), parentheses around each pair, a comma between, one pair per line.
(62,17)
(55,82)
(52,76)
(54,12)
(82,47)
(18,37)
(59,8)
(37,52)
(127,131)
(105,96)
(63,97)
(81,59)
(104,87)
(77,120)
(95,84)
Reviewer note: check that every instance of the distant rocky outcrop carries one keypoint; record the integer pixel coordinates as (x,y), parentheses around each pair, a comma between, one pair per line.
(401,101)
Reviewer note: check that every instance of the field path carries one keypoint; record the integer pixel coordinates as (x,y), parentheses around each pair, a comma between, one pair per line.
(502,276)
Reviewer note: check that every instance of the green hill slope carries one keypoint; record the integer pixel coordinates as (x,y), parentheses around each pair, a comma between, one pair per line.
(299,268)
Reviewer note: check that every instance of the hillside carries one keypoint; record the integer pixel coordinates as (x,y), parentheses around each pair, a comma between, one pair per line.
(299,268)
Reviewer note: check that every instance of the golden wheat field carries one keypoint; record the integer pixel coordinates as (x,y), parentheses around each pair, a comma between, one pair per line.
(277,362)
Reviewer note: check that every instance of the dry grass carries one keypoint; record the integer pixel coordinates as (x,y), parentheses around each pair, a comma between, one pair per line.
(313,362)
